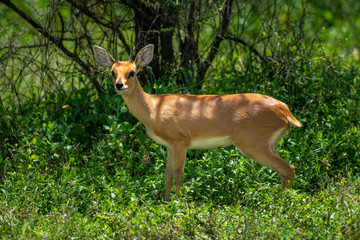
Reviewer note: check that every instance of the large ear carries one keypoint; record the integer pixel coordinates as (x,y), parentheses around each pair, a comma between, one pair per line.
(144,57)
(102,57)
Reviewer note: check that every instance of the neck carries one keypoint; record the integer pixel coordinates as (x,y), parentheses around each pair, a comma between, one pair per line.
(138,103)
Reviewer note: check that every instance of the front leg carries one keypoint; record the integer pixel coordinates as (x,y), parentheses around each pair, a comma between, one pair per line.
(169,173)
(174,166)
(179,152)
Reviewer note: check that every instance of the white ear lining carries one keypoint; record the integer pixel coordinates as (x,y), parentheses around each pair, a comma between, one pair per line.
(144,57)
(102,57)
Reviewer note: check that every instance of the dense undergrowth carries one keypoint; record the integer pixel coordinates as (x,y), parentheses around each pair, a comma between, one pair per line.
(71,167)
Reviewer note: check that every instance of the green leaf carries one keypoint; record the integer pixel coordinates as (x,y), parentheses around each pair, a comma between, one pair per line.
(42,3)
(124,109)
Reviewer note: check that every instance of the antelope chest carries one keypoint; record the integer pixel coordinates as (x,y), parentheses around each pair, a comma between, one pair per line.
(158,139)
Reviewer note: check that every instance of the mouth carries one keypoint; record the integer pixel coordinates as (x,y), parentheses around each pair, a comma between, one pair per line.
(121,90)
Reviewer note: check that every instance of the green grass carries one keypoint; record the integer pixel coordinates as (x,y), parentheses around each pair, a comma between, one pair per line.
(261,212)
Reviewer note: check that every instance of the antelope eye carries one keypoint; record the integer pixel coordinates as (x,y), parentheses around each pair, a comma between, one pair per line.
(131,74)
(113,74)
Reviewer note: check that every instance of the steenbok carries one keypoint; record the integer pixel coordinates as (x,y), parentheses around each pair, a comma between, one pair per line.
(254,123)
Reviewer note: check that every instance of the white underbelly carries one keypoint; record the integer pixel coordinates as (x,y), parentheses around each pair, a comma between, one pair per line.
(204,143)
(210,143)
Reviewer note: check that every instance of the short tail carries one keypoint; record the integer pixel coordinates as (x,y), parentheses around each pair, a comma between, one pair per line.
(293,121)
(288,115)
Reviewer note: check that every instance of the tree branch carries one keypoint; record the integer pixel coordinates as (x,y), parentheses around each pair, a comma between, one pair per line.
(55,40)
(251,47)
(221,31)
(225,18)
(111,25)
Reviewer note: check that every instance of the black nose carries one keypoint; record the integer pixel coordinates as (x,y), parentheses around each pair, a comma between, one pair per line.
(119,85)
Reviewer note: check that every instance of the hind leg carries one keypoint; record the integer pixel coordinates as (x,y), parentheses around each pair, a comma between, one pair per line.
(276,138)
(267,156)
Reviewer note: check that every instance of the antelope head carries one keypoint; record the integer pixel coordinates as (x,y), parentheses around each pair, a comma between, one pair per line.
(124,72)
